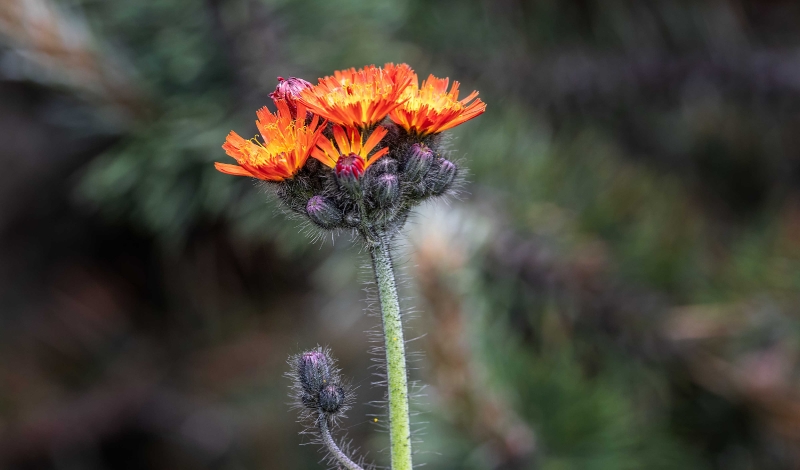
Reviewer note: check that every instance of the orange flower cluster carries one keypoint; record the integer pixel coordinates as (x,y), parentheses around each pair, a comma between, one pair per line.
(353,102)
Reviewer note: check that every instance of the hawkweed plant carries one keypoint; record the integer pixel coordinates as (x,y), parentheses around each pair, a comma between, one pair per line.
(356,152)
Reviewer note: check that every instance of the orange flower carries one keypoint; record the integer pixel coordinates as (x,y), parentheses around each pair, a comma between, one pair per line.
(287,145)
(432,109)
(349,143)
(359,98)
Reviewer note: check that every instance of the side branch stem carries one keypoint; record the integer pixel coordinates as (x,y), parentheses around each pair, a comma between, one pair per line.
(335,451)
(397,380)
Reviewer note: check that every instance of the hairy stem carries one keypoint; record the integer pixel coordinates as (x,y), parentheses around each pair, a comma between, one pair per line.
(397,381)
(335,451)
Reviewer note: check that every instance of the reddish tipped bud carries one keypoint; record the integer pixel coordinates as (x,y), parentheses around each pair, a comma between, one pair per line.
(323,213)
(348,171)
(288,90)
(420,159)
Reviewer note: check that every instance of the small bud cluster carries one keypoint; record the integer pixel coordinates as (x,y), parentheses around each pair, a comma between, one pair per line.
(318,387)
(373,199)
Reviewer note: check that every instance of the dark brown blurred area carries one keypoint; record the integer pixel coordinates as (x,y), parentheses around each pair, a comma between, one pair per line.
(617,287)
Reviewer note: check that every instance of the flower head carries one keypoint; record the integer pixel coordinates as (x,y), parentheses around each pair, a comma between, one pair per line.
(359,98)
(444,177)
(420,158)
(386,190)
(287,144)
(350,149)
(350,165)
(288,90)
(313,370)
(324,213)
(431,109)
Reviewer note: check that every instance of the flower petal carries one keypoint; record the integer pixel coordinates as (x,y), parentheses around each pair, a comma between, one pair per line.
(374,138)
(377,155)
(234,170)
(341,140)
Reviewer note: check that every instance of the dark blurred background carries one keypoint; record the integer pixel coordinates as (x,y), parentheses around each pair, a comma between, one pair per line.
(617,288)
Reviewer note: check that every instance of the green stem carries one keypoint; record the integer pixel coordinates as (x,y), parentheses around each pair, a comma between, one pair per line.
(335,451)
(397,380)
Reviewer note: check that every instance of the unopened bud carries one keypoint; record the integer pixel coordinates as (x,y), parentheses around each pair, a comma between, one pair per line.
(348,172)
(383,165)
(385,189)
(443,178)
(314,371)
(419,190)
(288,90)
(331,398)
(323,213)
(420,158)
(352,218)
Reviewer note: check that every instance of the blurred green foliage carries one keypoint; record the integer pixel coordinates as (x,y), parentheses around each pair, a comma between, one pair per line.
(567,179)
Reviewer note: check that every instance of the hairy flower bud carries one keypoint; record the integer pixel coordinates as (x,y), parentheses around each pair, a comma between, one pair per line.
(288,90)
(348,172)
(352,218)
(317,386)
(331,398)
(420,158)
(383,165)
(313,371)
(323,213)
(385,189)
(443,178)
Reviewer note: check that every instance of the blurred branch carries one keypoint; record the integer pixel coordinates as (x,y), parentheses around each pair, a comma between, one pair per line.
(470,405)
(63,51)
(454,371)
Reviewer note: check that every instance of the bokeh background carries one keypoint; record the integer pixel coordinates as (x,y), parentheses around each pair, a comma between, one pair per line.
(617,288)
